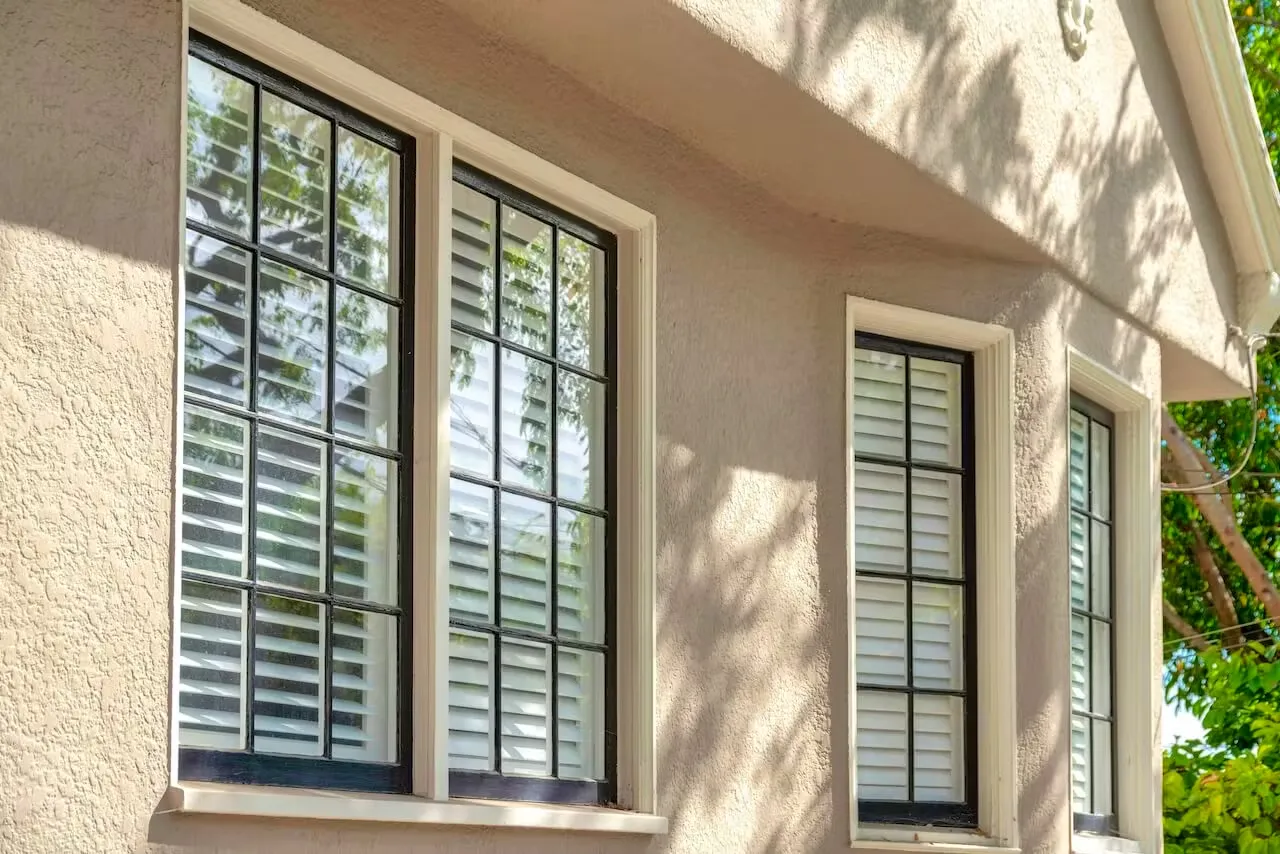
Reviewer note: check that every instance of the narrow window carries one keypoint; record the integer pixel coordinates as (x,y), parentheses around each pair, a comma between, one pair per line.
(915,593)
(294,512)
(531,524)
(1092,634)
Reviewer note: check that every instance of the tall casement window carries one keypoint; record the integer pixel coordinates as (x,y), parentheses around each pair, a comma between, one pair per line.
(1092,636)
(914,583)
(293,629)
(531,557)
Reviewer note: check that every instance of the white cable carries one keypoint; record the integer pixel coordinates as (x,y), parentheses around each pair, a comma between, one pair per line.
(1254,344)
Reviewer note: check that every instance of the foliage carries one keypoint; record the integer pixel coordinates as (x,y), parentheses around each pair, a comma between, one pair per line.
(1222,794)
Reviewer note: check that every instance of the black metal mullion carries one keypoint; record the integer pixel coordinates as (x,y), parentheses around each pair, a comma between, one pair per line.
(331,463)
(526,635)
(910,589)
(292,427)
(318,598)
(526,492)
(516,347)
(969,491)
(923,465)
(499,293)
(250,594)
(553,441)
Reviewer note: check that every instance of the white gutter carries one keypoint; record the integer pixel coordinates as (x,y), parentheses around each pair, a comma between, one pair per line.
(1203,46)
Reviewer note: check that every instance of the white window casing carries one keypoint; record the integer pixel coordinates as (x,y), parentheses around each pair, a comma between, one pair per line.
(440,138)
(1136,608)
(992,348)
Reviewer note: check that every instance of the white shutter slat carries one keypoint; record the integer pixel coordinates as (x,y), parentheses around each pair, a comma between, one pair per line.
(525,585)
(526,708)
(471,380)
(580,710)
(881,620)
(210,666)
(472,295)
(882,746)
(1081,764)
(1080,659)
(291,476)
(289,647)
(879,423)
(937,636)
(470,703)
(937,546)
(939,748)
(935,411)
(880,518)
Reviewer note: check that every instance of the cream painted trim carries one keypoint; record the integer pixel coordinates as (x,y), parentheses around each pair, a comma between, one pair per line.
(1139,696)
(918,847)
(442,135)
(992,347)
(1084,843)
(317,805)
(1202,44)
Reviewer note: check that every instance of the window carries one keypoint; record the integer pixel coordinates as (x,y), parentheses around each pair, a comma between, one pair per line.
(293,633)
(1092,635)
(372,597)
(531,557)
(914,541)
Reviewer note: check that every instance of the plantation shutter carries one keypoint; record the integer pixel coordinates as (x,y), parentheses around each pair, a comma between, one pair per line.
(520,528)
(897,726)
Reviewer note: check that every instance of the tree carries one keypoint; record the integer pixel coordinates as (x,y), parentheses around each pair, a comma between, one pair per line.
(1221,546)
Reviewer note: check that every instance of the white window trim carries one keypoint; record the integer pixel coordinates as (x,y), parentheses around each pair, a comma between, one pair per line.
(992,347)
(1138,699)
(441,135)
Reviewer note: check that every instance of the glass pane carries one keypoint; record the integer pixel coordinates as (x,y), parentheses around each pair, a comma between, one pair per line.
(1079,561)
(580,440)
(293,337)
(288,654)
(937,636)
(366,373)
(470,701)
(365,672)
(879,382)
(526,421)
(880,518)
(368,177)
(1101,570)
(216,358)
(580,576)
(366,508)
(526,708)
(881,620)
(474,215)
(1081,765)
(1100,470)
(1080,662)
(935,412)
(294,195)
(937,543)
(580,713)
(211,667)
(470,551)
(1100,666)
(215,471)
(526,563)
(471,405)
(939,748)
(882,746)
(1079,473)
(581,313)
(219,151)
(291,492)
(526,280)
(1101,768)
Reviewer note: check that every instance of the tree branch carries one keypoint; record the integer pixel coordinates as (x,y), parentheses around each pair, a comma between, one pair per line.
(1270,76)
(1179,624)
(1219,513)
(1223,605)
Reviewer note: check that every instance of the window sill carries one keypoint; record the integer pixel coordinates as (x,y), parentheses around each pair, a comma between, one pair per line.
(922,840)
(1088,843)
(272,802)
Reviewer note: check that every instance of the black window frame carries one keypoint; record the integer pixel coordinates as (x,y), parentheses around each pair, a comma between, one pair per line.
(245,766)
(929,813)
(1103,824)
(494,784)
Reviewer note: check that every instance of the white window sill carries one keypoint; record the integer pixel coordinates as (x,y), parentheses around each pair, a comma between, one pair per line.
(318,805)
(921,840)
(1088,843)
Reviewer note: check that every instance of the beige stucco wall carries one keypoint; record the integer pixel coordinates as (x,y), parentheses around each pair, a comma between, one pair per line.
(752,694)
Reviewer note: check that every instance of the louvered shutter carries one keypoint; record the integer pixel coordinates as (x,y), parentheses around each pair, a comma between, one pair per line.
(893,727)
(519,527)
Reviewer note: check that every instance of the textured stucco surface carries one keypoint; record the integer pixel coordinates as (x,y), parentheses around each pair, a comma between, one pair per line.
(752,697)
(941,119)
